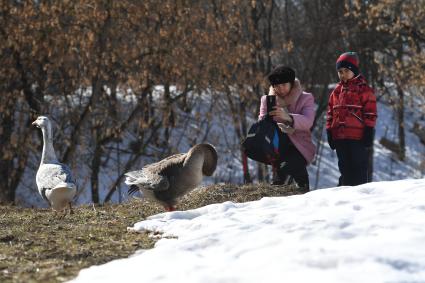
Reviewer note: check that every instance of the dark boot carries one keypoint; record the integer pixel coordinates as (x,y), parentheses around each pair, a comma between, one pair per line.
(294,173)
(282,175)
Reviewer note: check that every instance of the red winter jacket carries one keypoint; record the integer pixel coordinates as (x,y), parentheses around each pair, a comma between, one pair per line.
(351,108)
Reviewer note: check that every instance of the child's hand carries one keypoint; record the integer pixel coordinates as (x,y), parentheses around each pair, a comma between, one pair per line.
(368,136)
(331,141)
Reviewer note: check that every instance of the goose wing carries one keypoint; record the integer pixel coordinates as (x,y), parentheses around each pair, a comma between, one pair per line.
(145,179)
(51,176)
(154,176)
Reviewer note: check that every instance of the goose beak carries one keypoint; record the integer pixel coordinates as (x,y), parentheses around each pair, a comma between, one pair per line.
(35,123)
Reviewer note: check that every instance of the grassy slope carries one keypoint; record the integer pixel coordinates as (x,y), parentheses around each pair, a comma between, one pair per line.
(37,246)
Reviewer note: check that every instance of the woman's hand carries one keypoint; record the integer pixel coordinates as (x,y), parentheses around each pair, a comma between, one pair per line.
(281,114)
(279,99)
(285,128)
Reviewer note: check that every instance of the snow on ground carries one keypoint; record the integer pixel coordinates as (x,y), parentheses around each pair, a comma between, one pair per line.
(370,233)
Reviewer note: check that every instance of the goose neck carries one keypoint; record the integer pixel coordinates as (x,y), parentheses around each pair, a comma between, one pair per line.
(195,159)
(48,155)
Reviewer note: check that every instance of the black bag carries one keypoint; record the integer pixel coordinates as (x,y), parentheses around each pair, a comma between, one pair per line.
(262,141)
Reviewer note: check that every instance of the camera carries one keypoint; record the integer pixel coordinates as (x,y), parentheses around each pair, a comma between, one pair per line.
(271,102)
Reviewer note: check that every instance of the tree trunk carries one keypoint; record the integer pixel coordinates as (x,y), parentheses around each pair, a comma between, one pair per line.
(7,193)
(246,175)
(94,178)
(400,116)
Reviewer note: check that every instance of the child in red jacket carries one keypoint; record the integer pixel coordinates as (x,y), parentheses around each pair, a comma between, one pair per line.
(351,119)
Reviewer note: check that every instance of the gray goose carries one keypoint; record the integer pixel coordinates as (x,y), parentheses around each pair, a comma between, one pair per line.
(174,176)
(54,180)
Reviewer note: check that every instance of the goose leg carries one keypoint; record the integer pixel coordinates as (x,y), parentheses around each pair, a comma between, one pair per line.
(55,214)
(170,208)
(70,208)
(63,215)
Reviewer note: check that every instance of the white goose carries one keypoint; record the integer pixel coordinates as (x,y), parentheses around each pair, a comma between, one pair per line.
(54,180)
(174,176)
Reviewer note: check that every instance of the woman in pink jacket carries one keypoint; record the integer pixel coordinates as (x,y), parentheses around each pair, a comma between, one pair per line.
(294,113)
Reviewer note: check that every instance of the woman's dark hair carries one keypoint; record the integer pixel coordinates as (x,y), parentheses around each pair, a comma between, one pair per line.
(280,75)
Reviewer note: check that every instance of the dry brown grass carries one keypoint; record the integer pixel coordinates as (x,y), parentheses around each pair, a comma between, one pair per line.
(37,246)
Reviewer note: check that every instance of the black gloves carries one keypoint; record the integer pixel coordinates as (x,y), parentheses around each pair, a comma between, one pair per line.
(330,139)
(368,136)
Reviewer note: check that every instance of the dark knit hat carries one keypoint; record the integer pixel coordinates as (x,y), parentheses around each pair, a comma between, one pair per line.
(348,60)
(280,75)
